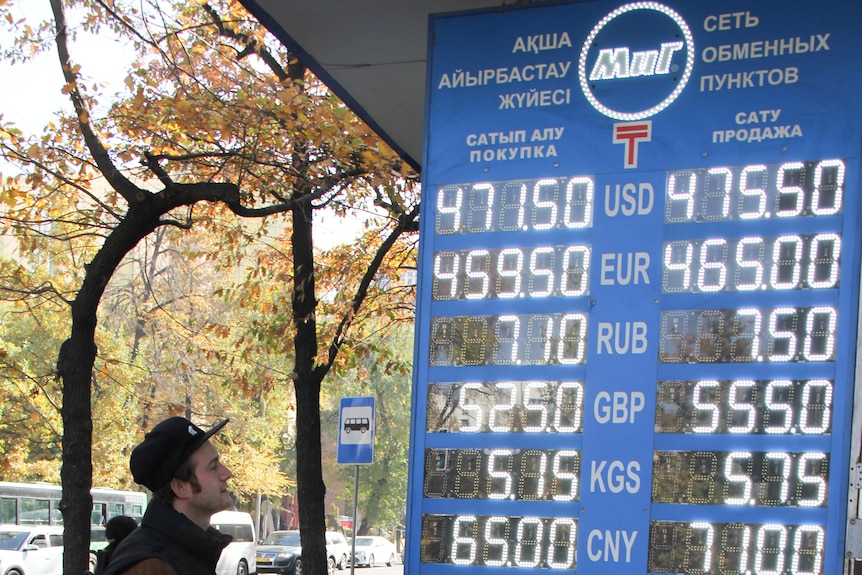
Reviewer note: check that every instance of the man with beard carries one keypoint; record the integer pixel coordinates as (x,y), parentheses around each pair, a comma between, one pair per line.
(181,467)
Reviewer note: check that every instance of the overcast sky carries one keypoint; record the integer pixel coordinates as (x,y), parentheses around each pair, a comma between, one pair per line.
(31,94)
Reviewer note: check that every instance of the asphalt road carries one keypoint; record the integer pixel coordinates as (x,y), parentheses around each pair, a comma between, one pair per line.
(396,569)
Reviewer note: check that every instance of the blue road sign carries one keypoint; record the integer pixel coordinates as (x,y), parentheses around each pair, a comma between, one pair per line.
(638,289)
(356,431)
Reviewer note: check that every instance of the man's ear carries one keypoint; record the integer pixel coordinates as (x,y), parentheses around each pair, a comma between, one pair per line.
(182,489)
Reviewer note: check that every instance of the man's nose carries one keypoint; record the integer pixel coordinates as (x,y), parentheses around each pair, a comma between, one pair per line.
(226,473)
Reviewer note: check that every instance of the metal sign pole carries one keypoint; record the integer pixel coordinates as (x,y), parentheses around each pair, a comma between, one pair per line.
(355,500)
(355,446)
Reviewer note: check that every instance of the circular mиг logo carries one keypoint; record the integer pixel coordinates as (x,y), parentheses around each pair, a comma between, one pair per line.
(636,61)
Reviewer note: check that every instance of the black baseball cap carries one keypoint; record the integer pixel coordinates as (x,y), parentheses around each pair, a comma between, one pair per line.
(164,449)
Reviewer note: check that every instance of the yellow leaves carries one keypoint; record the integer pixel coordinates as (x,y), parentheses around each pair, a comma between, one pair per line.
(219,331)
(370,141)
(34,152)
(199,49)
(139,101)
(286,96)
(71,69)
(125,156)
(369,158)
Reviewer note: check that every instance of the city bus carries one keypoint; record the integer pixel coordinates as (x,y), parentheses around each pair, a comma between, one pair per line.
(39,504)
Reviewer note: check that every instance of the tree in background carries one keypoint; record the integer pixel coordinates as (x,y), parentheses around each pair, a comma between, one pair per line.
(178,351)
(30,424)
(218,122)
(383,485)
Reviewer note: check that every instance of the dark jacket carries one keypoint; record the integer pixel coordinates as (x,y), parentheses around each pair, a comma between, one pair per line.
(103,556)
(172,537)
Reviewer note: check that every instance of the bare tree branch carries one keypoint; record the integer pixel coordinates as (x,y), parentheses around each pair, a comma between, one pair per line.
(114,176)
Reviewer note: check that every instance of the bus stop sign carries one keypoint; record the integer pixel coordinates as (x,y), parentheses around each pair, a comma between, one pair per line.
(356,431)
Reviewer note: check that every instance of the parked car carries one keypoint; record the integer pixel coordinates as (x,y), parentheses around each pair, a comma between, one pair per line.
(280,552)
(31,550)
(372,550)
(337,550)
(239,557)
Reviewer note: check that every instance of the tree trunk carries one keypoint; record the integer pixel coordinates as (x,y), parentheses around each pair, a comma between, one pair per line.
(75,367)
(307,383)
(75,364)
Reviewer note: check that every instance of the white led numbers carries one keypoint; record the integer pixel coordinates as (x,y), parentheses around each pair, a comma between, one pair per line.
(509,273)
(789,262)
(738,548)
(509,406)
(541,339)
(786,334)
(755,192)
(745,406)
(503,474)
(775,479)
(516,205)
(500,541)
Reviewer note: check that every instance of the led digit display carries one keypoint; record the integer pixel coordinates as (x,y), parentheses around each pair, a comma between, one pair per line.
(511,474)
(752,263)
(522,205)
(736,548)
(506,406)
(512,273)
(774,478)
(540,339)
(755,192)
(748,335)
(743,406)
(500,541)
(638,295)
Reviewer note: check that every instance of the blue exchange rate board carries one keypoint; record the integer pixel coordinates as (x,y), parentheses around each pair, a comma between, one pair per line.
(638,289)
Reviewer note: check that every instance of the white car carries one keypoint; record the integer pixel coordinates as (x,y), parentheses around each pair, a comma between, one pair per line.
(238,558)
(31,550)
(372,550)
(337,550)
